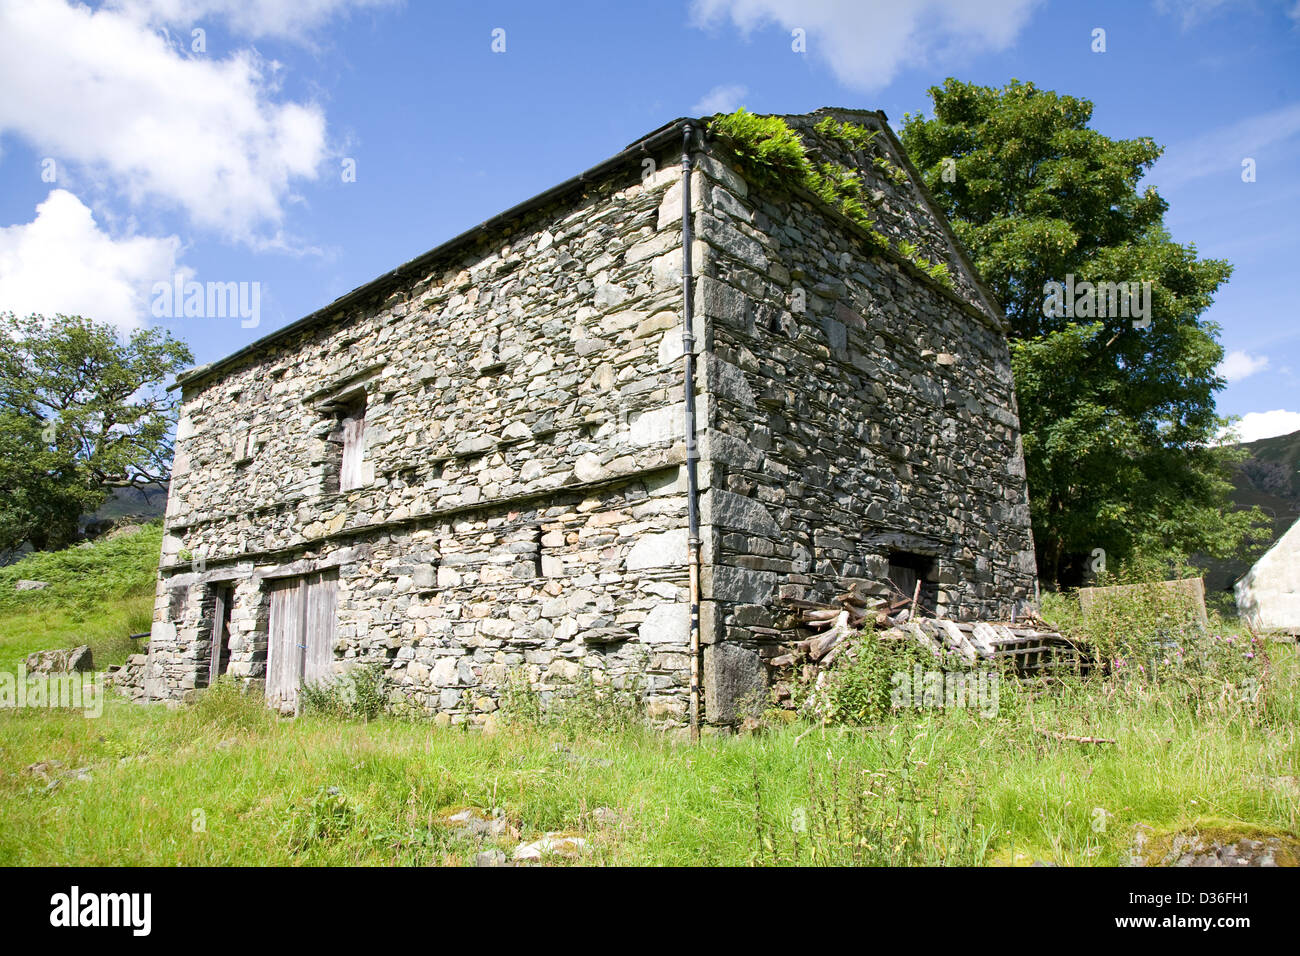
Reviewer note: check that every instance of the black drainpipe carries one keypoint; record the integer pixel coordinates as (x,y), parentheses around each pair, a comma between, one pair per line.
(692,452)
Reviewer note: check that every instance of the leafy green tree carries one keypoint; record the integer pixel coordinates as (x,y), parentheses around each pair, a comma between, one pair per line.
(42,493)
(1117,411)
(81,412)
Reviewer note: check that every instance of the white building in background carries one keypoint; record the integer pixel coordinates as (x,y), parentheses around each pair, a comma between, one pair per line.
(1268,595)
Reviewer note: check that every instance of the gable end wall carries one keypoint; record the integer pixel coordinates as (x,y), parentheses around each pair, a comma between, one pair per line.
(854,409)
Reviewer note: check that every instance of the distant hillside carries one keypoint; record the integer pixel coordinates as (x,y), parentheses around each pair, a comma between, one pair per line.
(1269,479)
(133,502)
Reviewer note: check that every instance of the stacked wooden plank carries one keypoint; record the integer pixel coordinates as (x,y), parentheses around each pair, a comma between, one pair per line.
(1030,643)
(1031,646)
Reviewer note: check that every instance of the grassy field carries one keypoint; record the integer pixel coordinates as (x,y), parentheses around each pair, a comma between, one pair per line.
(97,595)
(226,782)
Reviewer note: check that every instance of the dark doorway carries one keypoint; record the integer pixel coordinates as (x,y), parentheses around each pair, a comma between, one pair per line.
(223,598)
(906,571)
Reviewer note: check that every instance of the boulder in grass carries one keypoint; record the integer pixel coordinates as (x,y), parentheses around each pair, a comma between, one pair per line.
(60,660)
(25,585)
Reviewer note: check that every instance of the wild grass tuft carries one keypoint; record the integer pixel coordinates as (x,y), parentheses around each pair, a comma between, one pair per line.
(359,694)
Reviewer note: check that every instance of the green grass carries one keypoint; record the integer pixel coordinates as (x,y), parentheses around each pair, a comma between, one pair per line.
(98,594)
(935,788)
(226,782)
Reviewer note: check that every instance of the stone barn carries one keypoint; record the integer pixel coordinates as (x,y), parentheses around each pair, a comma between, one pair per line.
(591,439)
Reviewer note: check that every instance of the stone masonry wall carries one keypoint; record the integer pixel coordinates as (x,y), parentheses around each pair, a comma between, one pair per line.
(900,211)
(523,498)
(856,409)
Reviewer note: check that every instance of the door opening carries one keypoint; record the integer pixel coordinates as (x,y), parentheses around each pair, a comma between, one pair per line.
(219,657)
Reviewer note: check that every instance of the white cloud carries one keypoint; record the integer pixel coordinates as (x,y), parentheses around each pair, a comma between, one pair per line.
(292,19)
(103,91)
(1239,365)
(1256,425)
(866,42)
(62,261)
(720,99)
(1220,151)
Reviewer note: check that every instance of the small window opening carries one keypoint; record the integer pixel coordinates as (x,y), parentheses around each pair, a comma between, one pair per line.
(539,567)
(906,571)
(346,447)
(176,598)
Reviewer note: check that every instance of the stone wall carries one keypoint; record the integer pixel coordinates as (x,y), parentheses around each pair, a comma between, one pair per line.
(450,608)
(900,210)
(523,500)
(857,410)
(129,678)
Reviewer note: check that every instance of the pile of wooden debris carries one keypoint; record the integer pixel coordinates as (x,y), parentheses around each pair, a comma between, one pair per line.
(1030,643)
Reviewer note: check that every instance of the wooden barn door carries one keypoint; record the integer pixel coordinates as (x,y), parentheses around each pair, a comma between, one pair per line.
(282,655)
(301,645)
(322,599)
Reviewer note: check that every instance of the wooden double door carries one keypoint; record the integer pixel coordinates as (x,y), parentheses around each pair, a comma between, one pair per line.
(300,649)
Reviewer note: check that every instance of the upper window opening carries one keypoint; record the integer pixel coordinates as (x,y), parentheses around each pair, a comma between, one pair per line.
(352,424)
(346,443)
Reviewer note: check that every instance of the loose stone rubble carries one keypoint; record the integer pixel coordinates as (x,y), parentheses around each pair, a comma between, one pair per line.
(521,504)
(552,844)
(129,678)
(1216,846)
(473,824)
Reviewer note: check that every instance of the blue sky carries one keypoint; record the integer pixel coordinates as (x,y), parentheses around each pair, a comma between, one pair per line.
(133,148)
